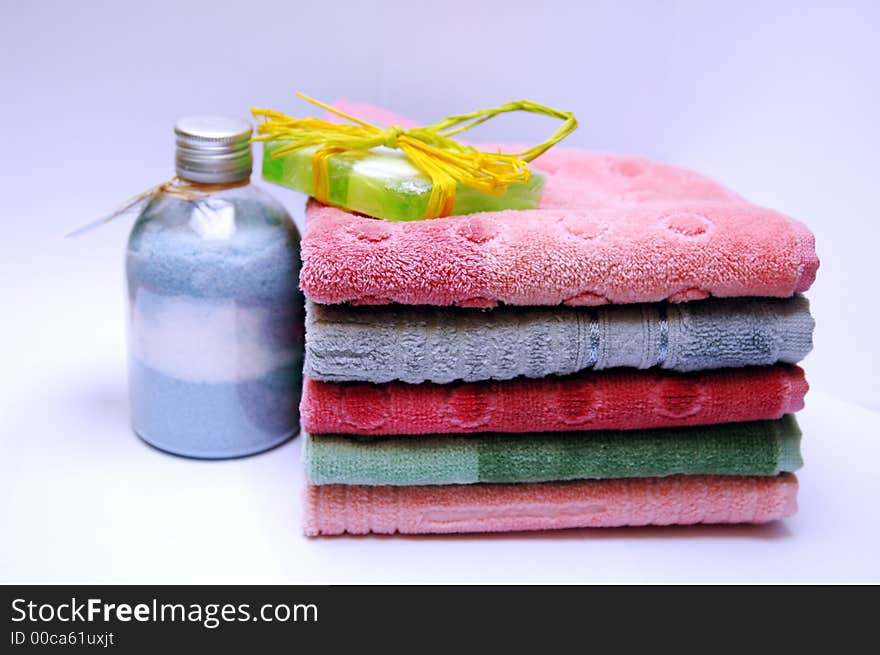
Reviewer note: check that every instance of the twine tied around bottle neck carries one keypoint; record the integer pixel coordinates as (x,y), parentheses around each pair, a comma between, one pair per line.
(176,187)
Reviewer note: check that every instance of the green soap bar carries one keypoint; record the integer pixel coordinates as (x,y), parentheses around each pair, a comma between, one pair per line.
(383,183)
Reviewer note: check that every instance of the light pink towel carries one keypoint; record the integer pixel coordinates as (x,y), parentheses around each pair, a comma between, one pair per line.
(611,229)
(676,500)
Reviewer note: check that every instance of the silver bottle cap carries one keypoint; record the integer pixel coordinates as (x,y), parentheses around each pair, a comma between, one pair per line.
(213,149)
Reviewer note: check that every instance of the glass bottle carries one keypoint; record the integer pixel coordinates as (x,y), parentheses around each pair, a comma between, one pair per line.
(215,315)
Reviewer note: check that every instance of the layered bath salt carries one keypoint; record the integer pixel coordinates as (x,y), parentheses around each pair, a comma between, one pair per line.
(215,321)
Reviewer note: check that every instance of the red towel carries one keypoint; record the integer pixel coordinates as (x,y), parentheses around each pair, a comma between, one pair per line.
(617,399)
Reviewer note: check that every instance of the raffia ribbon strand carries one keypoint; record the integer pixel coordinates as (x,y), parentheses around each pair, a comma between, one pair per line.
(431,149)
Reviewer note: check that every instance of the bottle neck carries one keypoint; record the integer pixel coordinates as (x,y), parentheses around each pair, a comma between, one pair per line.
(207,187)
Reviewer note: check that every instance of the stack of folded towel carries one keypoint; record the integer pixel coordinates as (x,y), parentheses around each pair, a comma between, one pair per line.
(624,355)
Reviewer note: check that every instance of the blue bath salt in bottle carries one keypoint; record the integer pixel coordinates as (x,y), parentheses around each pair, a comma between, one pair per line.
(215,315)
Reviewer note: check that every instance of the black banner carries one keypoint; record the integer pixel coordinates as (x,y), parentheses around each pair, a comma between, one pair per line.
(250,619)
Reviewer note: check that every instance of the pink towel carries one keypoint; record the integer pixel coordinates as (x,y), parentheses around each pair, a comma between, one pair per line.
(676,500)
(611,229)
(617,399)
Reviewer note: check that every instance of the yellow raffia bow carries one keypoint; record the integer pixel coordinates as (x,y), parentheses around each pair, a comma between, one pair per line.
(446,161)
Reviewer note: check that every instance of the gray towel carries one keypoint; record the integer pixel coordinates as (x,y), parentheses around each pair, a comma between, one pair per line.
(440,344)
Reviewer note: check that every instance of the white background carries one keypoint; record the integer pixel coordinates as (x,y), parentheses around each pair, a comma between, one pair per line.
(779,101)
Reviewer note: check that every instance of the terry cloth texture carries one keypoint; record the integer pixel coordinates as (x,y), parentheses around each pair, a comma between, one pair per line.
(616,399)
(753,448)
(643,252)
(683,499)
(610,229)
(437,344)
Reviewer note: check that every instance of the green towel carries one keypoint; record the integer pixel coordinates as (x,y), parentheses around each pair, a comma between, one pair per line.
(754,448)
